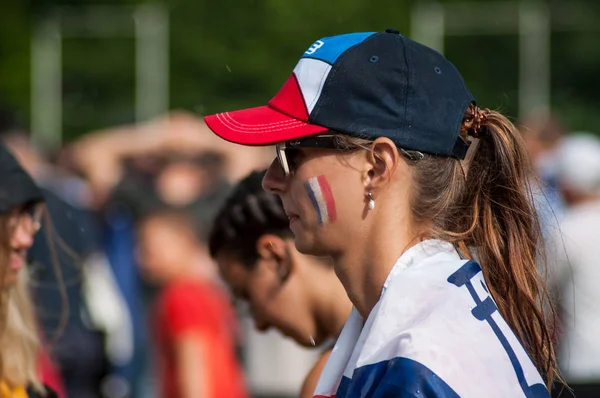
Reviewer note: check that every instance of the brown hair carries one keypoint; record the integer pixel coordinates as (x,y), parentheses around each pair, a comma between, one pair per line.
(19,341)
(485,207)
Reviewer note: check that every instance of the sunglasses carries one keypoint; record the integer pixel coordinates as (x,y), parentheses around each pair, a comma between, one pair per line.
(287,151)
(32,212)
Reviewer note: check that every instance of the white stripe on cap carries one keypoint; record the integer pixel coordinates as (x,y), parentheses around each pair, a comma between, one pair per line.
(311,75)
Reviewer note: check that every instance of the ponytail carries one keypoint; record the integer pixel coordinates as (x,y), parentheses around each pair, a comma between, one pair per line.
(485,206)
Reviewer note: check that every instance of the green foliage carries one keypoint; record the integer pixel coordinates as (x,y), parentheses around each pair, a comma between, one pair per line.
(14,54)
(239,53)
(230,54)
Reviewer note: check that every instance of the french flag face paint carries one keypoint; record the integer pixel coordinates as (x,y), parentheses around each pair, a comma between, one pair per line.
(320,194)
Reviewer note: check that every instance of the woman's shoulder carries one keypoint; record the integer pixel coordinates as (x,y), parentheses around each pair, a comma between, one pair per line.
(431,295)
(312,378)
(428,259)
(447,323)
(425,275)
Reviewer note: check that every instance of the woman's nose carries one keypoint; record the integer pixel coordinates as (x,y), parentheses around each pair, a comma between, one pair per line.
(274,179)
(22,237)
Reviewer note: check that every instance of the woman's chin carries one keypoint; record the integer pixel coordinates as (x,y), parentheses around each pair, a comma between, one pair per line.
(303,244)
(312,245)
(10,278)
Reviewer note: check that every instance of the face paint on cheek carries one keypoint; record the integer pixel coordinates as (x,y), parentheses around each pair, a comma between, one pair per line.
(320,194)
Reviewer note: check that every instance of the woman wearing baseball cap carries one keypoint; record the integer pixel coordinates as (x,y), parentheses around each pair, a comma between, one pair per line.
(386,164)
(21,355)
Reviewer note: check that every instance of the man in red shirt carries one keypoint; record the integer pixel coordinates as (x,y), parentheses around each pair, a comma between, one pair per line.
(193,320)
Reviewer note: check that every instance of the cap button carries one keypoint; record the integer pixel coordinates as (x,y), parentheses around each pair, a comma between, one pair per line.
(393,31)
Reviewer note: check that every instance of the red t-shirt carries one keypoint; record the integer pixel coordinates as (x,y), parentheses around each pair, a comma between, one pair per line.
(186,307)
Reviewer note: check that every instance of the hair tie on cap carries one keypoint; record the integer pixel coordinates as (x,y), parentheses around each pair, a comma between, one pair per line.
(479,121)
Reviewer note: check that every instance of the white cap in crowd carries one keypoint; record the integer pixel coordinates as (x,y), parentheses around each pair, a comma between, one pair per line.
(578,162)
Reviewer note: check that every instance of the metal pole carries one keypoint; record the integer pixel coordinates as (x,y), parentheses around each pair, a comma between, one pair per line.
(152,61)
(534,57)
(428,25)
(46,86)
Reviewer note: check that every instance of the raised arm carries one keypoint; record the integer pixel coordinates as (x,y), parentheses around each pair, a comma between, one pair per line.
(99,155)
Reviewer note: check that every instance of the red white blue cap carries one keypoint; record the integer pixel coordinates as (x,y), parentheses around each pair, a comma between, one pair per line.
(363,84)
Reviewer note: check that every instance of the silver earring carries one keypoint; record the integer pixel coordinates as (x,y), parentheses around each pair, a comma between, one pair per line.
(371,203)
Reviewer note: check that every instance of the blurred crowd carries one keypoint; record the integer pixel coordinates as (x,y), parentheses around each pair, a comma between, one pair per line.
(121,271)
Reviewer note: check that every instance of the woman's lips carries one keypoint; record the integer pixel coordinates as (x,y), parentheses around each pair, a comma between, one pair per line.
(16,261)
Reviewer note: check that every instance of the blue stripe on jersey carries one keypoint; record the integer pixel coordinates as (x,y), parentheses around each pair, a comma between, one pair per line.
(398,377)
(329,49)
(483,311)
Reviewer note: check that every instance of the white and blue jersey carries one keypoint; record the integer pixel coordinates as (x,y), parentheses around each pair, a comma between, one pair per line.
(435,332)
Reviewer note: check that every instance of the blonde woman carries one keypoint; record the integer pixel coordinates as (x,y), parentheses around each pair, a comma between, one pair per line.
(21,209)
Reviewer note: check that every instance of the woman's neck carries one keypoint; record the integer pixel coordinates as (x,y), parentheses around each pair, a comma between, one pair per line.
(366,263)
(332,306)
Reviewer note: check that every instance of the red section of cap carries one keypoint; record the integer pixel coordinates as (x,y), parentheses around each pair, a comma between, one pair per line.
(289,100)
(260,126)
(285,118)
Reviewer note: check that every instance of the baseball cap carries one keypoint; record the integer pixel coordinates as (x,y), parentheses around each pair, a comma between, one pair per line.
(16,186)
(367,85)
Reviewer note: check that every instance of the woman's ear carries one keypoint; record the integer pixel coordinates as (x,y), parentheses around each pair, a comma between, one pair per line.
(383,158)
(273,250)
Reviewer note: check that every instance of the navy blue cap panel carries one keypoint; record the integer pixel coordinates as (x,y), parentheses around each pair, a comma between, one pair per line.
(391,86)
(439,99)
(16,186)
(366,91)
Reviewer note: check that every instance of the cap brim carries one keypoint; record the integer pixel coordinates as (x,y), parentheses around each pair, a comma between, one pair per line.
(260,126)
